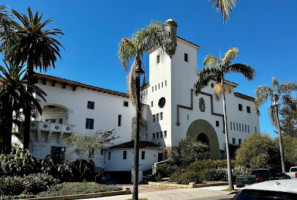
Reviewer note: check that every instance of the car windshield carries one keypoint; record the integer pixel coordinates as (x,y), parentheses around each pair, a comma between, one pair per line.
(255,172)
(264,195)
(294,169)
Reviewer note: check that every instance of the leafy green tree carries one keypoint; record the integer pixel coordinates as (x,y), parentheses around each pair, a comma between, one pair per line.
(290,150)
(14,97)
(288,121)
(224,6)
(258,151)
(146,38)
(279,94)
(216,69)
(32,45)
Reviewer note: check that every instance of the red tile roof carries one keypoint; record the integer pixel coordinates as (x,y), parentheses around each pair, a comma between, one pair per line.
(142,145)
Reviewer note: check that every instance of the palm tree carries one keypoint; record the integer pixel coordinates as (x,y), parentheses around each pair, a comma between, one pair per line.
(134,48)
(279,94)
(35,47)
(224,6)
(215,69)
(14,97)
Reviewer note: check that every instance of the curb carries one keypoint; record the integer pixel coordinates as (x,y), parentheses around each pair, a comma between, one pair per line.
(191,185)
(84,196)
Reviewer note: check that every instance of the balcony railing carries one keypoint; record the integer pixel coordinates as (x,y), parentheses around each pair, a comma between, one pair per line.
(51,127)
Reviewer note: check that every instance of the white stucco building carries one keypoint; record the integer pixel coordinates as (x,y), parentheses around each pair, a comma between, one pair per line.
(171,111)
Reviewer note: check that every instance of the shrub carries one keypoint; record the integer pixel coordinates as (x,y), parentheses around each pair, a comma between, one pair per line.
(207,164)
(19,162)
(83,169)
(219,174)
(165,169)
(31,184)
(175,175)
(241,170)
(77,188)
(188,176)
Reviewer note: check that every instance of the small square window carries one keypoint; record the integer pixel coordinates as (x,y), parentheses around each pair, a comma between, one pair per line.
(186,57)
(89,123)
(217,123)
(248,109)
(142,155)
(240,107)
(126,103)
(91,105)
(124,155)
(158,59)
(119,120)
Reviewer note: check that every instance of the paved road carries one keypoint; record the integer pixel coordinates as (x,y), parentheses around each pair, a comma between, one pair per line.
(179,194)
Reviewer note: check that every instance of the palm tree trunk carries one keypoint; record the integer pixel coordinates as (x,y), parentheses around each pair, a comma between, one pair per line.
(27,111)
(136,142)
(227,141)
(281,147)
(7,128)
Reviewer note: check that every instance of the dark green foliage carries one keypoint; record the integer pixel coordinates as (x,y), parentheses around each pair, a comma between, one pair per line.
(77,188)
(165,169)
(18,163)
(175,175)
(31,184)
(210,164)
(189,176)
(84,170)
(57,168)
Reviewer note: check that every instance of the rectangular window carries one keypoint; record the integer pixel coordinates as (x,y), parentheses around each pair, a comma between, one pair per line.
(159,86)
(248,109)
(152,104)
(158,59)
(124,155)
(91,105)
(154,136)
(237,126)
(240,107)
(101,151)
(154,118)
(239,141)
(146,136)
(242,128)
(255,129)
(142,155)
(109,155)
(217,123)
(157,135)
(248,129)
(245,128)
(234,126)
(162,84)
(58,152)
(158,117)
(186,57)
(231,125)
(161,116)
(161,134)
(165,82)
(119,120)
(233,140)
(126,103)
(153,89)
(165,134)
(89,123)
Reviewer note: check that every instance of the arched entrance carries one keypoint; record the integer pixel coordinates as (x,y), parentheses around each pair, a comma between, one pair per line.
(202,131)
(55,114)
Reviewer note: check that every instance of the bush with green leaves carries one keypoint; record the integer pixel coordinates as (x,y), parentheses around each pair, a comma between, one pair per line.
(30,184)
(84,170)
(208,164)
(77,188)
(189,176)
(174,176)
(165,169)
(19,162)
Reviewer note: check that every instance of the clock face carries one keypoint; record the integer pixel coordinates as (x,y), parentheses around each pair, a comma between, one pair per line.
(162,102)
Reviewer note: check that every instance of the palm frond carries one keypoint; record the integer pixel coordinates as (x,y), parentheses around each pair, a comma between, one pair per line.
(229,56)
(211,60)
(287,87)
(247,71)
(224,6)
(208,73)
(289,102)
(132,84)
(273,114)
(275,84)
(262,94)
(126,52)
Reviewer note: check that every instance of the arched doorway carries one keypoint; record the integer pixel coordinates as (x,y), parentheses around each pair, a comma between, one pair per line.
(55,114)
(202,131)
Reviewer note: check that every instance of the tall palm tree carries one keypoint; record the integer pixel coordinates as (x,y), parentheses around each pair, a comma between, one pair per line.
(35,47)
(279,94)
(134,48)
(224,6)
(215,69)
(14,97)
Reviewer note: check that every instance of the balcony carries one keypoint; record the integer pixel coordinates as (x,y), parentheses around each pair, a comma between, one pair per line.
(51,127)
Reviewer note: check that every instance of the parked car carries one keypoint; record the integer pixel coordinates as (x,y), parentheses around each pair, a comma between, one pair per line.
(292,172)
(269,190)
(241,181)
(261,175)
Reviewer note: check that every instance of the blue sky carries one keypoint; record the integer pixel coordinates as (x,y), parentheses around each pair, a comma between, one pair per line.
(264,31)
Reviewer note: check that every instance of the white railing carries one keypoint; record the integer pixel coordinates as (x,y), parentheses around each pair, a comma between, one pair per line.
(51,127)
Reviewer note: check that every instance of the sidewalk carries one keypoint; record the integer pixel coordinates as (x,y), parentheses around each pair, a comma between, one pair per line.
(175,194)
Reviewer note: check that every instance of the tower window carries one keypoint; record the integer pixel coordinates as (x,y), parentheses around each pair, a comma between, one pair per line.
(248,109)
(89,123)
(158,117)
(157,135)
(165,134)
(233,140)
(142,155)
(152,104)
(240,107)
(153,89)
(212,85)
(119,120)
(126,103)
(217,123)
(154,118)
(161,134)
(158,59)
(91,105)
(124,155)
(231,125)
(165,82)
(186,57)
(159,86)
(154,136)
(161,116)
(162,84)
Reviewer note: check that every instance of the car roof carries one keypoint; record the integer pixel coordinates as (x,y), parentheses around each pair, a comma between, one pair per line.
(286,185)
